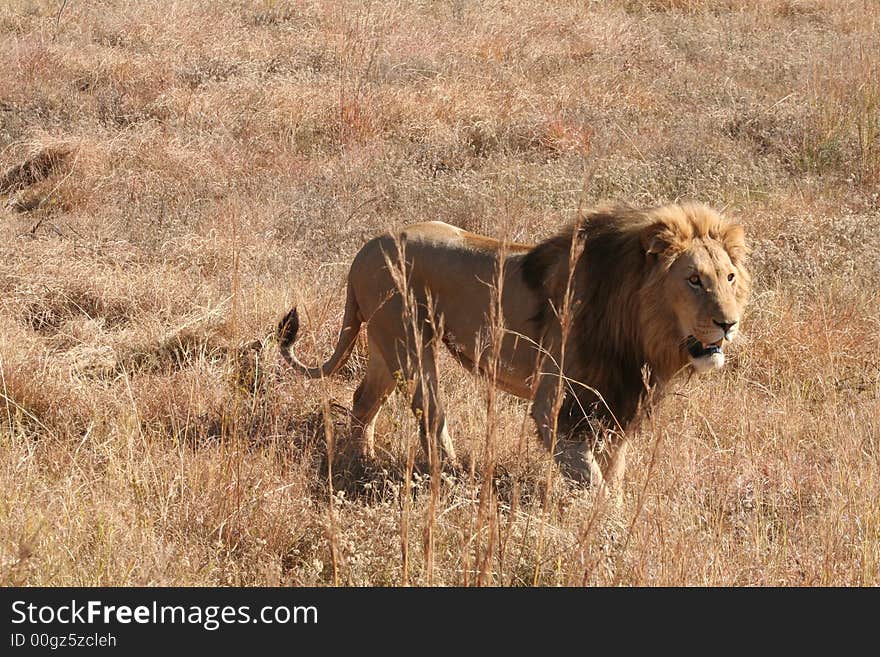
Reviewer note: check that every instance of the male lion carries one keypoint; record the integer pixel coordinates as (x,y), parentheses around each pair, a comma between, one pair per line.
(652,292)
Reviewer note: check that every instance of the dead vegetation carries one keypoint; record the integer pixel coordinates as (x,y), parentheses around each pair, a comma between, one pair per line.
(174,176)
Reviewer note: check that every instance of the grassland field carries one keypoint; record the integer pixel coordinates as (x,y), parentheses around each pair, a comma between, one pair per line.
(175,174)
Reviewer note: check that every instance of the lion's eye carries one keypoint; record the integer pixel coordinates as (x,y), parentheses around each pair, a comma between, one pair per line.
(695,281)
(731,276)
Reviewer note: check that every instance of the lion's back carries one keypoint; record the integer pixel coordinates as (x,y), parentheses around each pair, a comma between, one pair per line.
(441,259)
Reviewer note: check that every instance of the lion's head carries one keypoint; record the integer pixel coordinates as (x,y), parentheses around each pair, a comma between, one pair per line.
(698,284)
(657,290)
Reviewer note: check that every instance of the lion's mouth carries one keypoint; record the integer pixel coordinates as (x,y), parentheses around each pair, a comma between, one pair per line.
(699,350)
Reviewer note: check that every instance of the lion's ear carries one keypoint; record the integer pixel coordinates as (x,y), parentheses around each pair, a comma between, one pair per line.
(734,241)
(657,238)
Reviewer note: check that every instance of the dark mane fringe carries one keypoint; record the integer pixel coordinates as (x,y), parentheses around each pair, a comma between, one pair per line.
(606,351)
(623,344)
(543,265)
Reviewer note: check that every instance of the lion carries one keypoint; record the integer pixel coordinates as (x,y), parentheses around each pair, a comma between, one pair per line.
(590,325)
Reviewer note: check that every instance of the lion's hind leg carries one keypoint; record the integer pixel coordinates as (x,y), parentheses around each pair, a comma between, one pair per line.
(420,369)
(428,409)
(412,354)
(377,384)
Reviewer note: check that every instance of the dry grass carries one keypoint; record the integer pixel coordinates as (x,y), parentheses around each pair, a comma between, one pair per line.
(174,175)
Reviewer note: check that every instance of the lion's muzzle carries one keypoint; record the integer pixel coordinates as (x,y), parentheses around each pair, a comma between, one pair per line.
(705,357)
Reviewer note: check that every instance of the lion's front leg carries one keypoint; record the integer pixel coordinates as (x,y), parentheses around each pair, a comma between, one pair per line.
(574,458)
(611,459)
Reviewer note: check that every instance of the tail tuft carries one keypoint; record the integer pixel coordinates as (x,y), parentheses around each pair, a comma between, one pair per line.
(288,327)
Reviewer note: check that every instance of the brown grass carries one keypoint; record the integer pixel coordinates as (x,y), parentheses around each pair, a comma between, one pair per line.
(175,175)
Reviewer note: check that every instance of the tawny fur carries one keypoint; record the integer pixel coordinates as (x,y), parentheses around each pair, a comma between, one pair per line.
(626,340)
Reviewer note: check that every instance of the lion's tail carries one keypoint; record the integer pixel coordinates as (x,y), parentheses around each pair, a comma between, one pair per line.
(288,327)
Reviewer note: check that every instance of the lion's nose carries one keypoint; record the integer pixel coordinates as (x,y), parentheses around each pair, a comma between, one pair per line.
(725,326)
